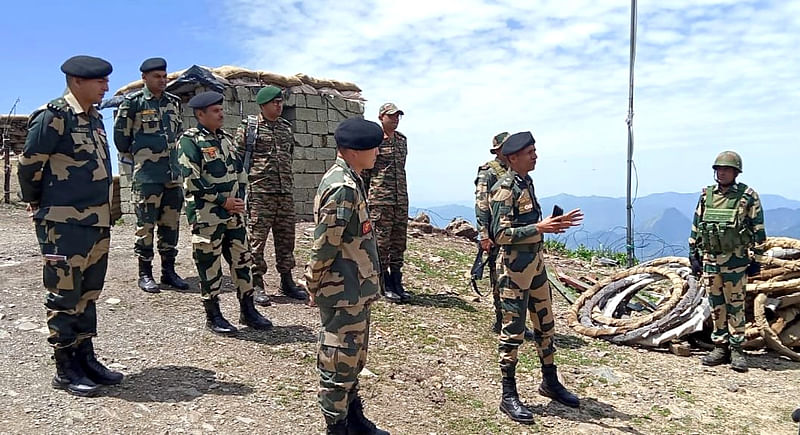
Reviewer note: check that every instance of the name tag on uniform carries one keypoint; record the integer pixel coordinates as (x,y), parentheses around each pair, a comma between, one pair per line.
(366,227)
(211,152)
(525,203)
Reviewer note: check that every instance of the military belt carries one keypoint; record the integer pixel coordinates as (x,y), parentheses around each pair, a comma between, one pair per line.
(531,247)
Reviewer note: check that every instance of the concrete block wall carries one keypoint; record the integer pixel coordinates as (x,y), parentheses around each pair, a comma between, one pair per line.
(314,119)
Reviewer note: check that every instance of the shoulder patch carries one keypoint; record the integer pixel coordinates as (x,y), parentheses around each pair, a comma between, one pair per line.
(172,96)
(191,132)
(58,105)
(402,136)
(134,94)
(506,180)
(502,193)
(284,122)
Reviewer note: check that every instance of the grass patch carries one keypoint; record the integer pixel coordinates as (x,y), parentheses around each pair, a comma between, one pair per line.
(664,412)
(685,395)
(463,399)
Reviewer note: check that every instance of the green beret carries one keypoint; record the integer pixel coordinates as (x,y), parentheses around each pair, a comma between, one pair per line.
(267,94)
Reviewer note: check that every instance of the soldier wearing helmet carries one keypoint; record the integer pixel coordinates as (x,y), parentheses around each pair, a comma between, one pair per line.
(727,234)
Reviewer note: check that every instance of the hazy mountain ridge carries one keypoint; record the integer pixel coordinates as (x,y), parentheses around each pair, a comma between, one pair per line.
(662,221)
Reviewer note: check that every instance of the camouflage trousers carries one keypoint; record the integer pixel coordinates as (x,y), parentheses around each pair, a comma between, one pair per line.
(74,270)
(230,241)
(524,287)
(274,212)
(342,354)
(726,295)
(157,204)
(491,262)
(391,225)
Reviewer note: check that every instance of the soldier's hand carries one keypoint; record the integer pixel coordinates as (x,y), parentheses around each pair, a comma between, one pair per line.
(559,224)
(234,205)
(486,244)
(302,283)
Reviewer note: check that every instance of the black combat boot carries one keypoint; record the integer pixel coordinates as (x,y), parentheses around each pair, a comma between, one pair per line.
(289,288)
(357,423)
(397,279)
(94,370)
(70,376)
(738,360)
(259,297)
(338,428)
(720,355)
(169,277)
(214,320)
(511,405)
(249,316)
(146,281)
(388,288)
(551,387)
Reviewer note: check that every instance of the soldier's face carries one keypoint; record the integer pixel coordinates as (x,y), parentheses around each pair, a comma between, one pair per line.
(726,175)
(390,122)
(273,109)
(91,90)
(211,117)
(524,161)
(156,81)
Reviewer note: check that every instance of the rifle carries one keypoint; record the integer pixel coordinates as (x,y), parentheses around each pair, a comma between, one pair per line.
(476,273)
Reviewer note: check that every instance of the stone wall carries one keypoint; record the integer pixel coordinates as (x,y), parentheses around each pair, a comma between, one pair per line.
(314,117)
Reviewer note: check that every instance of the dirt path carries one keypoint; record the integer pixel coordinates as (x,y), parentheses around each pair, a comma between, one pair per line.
(432,364)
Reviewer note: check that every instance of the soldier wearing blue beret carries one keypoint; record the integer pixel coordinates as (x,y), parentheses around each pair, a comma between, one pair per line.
(214,184)
(343,278)
(65,177)
(146,132)
(517,227)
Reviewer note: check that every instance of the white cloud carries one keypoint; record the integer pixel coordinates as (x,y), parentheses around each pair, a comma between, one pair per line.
(711,75)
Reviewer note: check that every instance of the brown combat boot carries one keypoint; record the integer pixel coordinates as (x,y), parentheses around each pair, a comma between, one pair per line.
(720,355)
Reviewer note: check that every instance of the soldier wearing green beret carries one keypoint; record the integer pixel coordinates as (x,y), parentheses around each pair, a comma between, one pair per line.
(727,232)
(146,130)
(214,183)
(343,276)
(265,144)
(65,177)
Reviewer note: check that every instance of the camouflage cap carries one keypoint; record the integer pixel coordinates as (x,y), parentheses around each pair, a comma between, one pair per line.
(497,141)
(390,109)
(267,94)
(730,159)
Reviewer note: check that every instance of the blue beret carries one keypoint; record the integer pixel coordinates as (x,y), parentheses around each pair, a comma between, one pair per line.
(517,142)
(153,64)
(86,67)
(205,99)
(358,134)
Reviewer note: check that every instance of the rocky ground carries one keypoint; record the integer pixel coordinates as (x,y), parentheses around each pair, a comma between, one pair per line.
(432,364)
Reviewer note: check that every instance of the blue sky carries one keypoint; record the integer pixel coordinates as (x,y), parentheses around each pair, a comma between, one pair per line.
(711,75)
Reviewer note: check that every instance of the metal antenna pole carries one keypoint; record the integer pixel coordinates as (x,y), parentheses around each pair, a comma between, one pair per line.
(7,157)
(629,120)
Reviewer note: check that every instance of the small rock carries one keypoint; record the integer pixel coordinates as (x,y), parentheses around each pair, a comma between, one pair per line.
(4,334)
(732,387)
(11,305)
(460,378)
(2,316)
(77,416)
(208,428)
(117,366)
(43,330)
(12,393)
(368,373)
(113,301)
(606,373)
(27,326)
(245,420)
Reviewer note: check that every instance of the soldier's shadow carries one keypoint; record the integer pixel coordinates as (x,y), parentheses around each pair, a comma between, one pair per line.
(441,301)
(590,412)
(563,341)
(279,334)
(174,384)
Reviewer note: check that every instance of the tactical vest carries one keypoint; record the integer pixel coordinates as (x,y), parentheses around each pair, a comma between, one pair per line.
(722,230)
(498,169)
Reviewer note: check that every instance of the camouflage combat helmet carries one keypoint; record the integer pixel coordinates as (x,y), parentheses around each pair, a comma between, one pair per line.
(498,139)
(730,159)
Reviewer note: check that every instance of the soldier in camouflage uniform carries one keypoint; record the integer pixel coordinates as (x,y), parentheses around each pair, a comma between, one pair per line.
(65,177)
(727,232)
(270,201)
(488,174)
(146,131)
(518,227)
(388,199)
(342,277)
(214,183)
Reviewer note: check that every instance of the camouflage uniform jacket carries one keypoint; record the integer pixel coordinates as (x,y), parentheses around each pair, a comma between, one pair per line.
(486,179)
(211,174)
(65,169)
(148,128)
(749,212)
(515,211)
(344,265)
(386,181)
(271,169)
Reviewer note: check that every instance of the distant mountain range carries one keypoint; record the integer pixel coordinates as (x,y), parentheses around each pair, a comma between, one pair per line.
(662,221)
